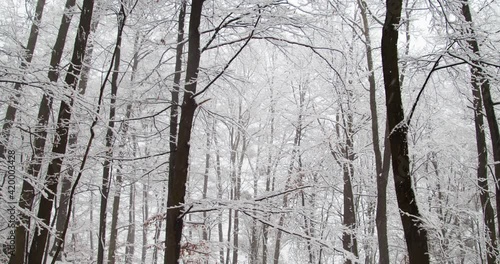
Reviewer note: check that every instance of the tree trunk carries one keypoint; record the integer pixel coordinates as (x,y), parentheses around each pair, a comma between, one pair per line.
(479,78)
(145,210)
(27,191)
(349,241)
(296,156)
(10,114)
(113,231)
(482,173)
(381,174)
(205,181)
(415,233)
(107,166)
(177,184)
(130,246)
(219,193)
(61,138)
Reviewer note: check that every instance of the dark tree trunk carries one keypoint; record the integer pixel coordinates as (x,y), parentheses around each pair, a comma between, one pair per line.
(218,172)
(61,138)
(415,233)
(482,172)
(174,109)
(10,114)
(349,241)
(382,172)
(130,246)
(479,79)
(27,191)
(177,184)
(66,180)
(107,166)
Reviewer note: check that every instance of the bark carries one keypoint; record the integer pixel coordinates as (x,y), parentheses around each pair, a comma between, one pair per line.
(381,173)
(482,173)
(107,166)
(480,79)
(177,184)
(415,233)
(61,138)
(10,114)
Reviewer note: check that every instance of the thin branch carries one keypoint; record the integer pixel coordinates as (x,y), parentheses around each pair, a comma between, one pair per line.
(231,60)
(434,68)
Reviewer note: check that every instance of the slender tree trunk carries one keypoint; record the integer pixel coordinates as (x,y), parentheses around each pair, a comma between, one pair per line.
(27,191)
(113,231)
(107,166)
(73,137)
(145,210)
(61,138)
(130,246)
(479,78)
(415,233)
(296,157)
(218,172)
(381,174)
(205,181)
(482,173)
(10,114)
(177,185)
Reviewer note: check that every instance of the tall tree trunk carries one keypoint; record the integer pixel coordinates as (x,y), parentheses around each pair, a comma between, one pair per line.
(113,231)
(205,181)
(107,166)
(218,172)
(415,233)
(349,241)
(296,157)
(10,114)
(61,138)
(145,210)
(27,191)
(177,184)
(479,78)
(130,246)
(381,173)
(66,184)
(482,173)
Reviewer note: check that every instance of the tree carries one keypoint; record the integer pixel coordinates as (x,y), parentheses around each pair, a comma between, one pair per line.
(381,162)
(110,138)
(27,191)
(177,184)
(479,78)
(62,133)
(10,114)
(415,233)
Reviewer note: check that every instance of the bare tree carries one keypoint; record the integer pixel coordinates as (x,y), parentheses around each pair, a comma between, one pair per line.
(177,184)
(10,114)
(415,233)
(61,137)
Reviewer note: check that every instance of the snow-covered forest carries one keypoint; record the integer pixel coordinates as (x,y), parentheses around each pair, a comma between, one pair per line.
(249,131)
